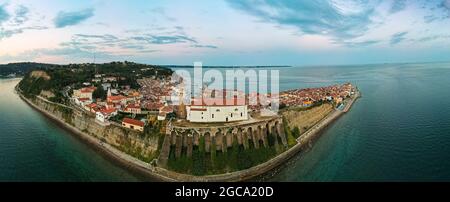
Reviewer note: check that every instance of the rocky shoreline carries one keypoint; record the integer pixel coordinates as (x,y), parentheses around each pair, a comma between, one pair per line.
(155,173)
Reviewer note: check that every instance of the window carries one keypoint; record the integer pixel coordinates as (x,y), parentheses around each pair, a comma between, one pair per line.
(241,114)
(217,110)
(231,115)
(212,115)
(236,109)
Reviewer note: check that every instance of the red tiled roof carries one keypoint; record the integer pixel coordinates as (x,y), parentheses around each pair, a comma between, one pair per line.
(83,99)
(218,102)
(166,109)
(198,109)
(136,106)
(88,89)
(108,111)
(133,122)
(92,105)
(153,106)
(115,98)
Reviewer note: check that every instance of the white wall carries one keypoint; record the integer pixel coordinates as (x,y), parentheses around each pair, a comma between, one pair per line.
(217,113)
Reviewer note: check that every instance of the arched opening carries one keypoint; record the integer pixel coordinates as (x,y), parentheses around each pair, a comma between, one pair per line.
(250,138)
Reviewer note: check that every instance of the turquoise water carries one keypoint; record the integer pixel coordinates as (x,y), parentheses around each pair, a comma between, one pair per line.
(33,148)
(398,131)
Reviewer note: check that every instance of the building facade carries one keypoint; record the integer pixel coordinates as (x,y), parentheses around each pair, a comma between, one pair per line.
(217,106)
(216,114)
(133,124)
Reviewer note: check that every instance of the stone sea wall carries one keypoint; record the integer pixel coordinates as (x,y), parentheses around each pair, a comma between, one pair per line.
(221,138)
(132,142)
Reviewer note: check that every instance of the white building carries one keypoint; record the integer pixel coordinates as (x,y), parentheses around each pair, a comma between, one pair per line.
(84,92)
(105,114)
(82,101)
(106,86)
(218,110)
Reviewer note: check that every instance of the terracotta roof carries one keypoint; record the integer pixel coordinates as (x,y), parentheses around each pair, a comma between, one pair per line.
(218,101)
(118,97)
(83,99)
(108,111)
(88,89)
(133,122)
(92,105)
(153,106)
(136,106)
(198,109)
(166,109)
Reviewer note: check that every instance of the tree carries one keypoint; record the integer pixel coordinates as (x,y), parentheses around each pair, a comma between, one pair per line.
(99,93)
(296,132)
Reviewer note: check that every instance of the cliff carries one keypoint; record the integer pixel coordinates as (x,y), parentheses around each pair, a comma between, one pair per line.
(140,145)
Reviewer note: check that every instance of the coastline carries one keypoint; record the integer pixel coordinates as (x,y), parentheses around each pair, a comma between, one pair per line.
(132,164)
(161,174)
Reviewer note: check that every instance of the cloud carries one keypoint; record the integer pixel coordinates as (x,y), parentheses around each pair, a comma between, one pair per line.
(92,42)
(162,12)
(164,39)
(21,15)
(339,19)
(446,4)
(204,46)
(360,44)
(64,19)
(67,53)
(4,15)
(398,5)
(5,33)
(432,38)
(8,33)
(429,18)
(397,38)
(106,37)
(14,24)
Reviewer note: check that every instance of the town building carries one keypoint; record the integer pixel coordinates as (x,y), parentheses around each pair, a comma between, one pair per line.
(82,101)
(218,109)
(105,114)
(84,92)
(93,107)
(106,86)
(115,99)
(133,124)
(164,111)
(133,108)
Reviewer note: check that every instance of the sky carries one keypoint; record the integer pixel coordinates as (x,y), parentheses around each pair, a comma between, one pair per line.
(225,32)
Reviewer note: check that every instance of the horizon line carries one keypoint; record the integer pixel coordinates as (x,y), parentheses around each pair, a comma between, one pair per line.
(218,66)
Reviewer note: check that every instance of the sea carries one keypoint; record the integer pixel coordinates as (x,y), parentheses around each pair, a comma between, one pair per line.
(399,130)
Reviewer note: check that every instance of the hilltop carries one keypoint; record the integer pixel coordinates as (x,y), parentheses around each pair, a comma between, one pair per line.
(38,77)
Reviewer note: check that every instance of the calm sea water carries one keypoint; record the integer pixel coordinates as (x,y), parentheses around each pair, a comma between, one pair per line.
(398,131)
(33,148)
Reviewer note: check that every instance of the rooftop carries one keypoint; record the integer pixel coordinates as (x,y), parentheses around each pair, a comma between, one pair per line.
(133,122)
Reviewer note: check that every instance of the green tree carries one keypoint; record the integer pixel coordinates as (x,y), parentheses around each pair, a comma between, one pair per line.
(99,93)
